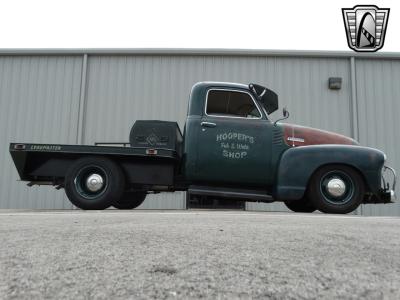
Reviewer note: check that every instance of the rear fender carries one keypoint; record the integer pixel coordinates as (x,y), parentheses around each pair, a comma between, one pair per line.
(297,165)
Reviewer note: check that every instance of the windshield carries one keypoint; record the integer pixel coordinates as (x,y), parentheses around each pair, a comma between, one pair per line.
(265,112)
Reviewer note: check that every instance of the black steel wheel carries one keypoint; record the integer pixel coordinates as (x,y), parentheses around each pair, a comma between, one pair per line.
(130,200)
(94,183)
(301,206)
(336,189)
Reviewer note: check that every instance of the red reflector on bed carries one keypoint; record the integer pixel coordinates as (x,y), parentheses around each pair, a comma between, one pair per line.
(151,151)
(19,147)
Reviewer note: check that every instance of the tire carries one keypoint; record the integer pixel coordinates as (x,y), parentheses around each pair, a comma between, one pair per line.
(130,200)
(107,184)
(301,206)
(332,196)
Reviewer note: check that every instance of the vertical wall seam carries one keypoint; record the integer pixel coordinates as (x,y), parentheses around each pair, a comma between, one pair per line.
(354,103)
(82,102)
(354,111)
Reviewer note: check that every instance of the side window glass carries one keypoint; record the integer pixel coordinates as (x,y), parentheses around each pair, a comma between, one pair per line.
(230,103)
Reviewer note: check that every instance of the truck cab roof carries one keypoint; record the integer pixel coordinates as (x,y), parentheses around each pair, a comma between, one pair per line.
(207,84)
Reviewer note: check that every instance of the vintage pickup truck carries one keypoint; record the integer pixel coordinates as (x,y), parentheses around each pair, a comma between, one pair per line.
(230,148)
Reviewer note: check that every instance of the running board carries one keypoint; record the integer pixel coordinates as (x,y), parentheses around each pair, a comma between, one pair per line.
(242,194)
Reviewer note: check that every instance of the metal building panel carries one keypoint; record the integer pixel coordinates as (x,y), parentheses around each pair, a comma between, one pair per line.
(378,91)
(126,88)
(302,86)
(38,103)
(121,89)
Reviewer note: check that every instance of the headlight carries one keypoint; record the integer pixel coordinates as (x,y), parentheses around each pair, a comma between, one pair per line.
(384,156)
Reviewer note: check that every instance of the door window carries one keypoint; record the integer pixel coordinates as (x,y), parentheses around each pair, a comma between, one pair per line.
(231,104)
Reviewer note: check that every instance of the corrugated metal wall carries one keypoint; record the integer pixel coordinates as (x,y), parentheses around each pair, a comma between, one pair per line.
(39,101)
(41,96)
(378,97)
(121,89)
(302,86)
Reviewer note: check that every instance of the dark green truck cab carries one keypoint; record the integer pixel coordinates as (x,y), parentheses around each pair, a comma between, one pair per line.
(229,148)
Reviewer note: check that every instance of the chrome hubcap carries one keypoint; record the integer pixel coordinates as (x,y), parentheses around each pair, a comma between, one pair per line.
(94,182)
(336,187)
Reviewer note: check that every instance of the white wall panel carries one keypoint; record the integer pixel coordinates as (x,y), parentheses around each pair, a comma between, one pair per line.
(38,103)
(378,97)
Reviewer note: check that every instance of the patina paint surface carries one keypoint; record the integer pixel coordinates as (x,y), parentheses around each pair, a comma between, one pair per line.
(296,136)
(299,163)
(256,152)
(234,150)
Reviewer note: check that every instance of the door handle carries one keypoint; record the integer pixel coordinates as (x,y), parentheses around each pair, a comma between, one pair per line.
(208,124)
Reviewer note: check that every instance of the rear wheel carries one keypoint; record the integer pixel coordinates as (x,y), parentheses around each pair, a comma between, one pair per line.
(94,183)
(301,206)
(130,200)
(336,189)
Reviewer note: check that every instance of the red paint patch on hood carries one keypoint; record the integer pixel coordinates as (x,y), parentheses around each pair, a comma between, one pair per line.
(296,136)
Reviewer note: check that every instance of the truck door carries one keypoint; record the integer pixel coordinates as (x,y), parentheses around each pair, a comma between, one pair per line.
(234,139)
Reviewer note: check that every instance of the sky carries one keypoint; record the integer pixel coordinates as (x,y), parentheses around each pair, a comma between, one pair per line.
(250,24)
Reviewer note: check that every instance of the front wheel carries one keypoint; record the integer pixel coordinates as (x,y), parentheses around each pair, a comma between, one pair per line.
(336,189)
(130,200)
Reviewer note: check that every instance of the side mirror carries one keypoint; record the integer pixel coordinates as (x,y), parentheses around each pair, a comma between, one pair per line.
(285,113)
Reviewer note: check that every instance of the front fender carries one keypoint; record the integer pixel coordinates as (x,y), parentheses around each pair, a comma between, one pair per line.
(298,164)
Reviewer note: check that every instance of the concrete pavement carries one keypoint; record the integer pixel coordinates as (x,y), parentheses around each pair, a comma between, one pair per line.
(197,254)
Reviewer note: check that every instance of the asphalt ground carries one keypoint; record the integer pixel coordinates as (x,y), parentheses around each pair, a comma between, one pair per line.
(197,254)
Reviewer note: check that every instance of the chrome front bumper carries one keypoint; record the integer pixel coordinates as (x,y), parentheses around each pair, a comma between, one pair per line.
(388,193)
(392,196)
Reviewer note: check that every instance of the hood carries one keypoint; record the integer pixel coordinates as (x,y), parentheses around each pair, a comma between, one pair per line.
(296,136)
